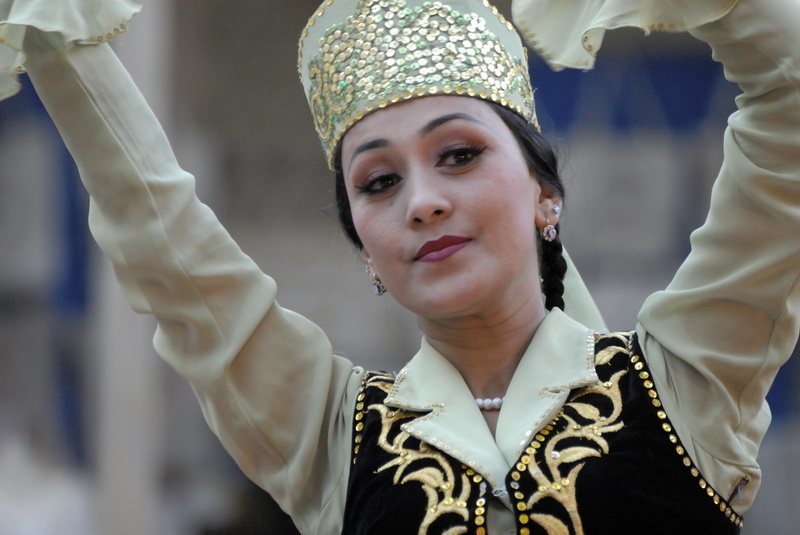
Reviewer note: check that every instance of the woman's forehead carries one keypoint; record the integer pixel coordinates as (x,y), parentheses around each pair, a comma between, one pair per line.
(417,113)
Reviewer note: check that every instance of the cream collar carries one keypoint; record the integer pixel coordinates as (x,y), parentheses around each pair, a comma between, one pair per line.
(559,358)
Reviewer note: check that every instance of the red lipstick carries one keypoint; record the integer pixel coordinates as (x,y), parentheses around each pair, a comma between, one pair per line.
(444,247)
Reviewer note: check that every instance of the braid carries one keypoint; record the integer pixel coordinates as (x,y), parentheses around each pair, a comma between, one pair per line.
(553,268)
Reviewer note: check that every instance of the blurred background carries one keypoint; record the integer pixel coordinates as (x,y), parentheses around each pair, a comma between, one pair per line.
(98,436)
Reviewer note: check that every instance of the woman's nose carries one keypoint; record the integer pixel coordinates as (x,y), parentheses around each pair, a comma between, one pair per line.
(427,199)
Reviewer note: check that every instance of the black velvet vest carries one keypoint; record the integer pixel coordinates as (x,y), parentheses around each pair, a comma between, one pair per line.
(608,463)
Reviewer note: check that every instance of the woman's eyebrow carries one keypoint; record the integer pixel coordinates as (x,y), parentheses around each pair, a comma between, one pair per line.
(439,121)
(369,145)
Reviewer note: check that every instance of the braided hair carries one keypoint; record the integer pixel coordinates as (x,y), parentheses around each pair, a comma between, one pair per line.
(542,162)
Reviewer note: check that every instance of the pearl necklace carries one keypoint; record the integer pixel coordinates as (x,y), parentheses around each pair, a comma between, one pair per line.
(489,404)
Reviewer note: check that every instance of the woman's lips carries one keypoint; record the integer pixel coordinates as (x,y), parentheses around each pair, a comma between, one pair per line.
(438,250)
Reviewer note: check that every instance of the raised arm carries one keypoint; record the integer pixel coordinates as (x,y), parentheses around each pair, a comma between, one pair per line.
(717,335)
(266,378)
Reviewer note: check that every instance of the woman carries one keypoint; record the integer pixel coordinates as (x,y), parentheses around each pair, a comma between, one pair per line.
(426,114)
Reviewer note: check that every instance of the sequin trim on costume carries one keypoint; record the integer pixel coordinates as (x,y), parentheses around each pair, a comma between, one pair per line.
(640,366)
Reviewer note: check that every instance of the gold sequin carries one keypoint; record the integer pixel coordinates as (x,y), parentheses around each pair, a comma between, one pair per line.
(644,375)
(414,43)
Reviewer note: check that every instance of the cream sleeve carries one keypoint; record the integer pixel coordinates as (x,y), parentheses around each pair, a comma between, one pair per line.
(267,380)
(717,335)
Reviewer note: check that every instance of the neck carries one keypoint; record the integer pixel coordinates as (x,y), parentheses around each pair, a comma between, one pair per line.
(486,350)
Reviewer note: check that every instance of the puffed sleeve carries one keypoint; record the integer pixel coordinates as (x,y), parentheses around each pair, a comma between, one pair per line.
(716,337)
(267,380)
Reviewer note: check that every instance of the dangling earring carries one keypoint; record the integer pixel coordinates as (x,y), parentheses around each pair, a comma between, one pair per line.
(377,285)
(549,232)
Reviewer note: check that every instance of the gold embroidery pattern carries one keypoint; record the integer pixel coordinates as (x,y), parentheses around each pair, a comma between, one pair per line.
(447,490)
(555,466)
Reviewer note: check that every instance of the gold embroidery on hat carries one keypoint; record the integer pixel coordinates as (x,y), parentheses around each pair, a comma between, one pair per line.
(387,52)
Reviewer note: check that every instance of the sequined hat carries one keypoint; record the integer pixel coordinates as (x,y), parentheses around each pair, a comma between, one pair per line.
(358,56)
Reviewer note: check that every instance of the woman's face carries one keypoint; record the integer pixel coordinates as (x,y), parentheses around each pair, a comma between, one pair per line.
(445,206)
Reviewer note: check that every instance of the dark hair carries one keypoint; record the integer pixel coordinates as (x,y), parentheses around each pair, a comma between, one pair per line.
(542,162)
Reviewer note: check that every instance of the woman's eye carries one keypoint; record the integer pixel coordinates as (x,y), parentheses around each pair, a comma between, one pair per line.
(380,184)
(459,156)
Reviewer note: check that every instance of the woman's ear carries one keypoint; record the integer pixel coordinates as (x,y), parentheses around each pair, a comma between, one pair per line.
(548,207)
